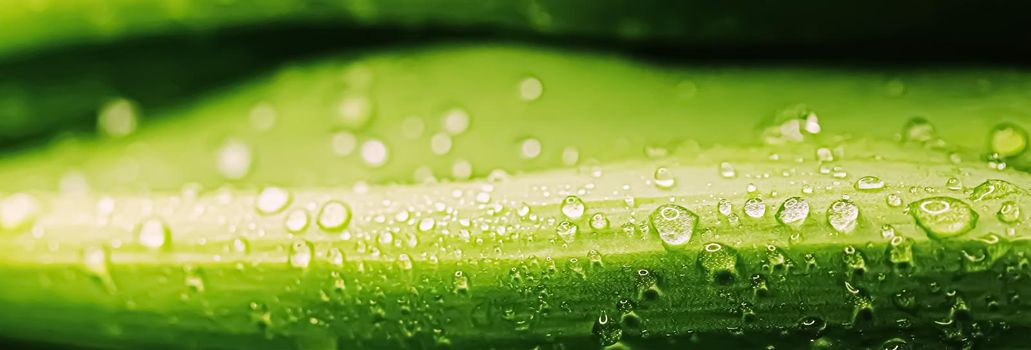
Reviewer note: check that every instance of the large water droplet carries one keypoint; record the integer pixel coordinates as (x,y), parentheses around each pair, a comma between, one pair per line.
(843,215)
(793,212)
(718,262)
(153,233)
(674,224)
(599,222)
(573,207)
(943,217)
(272,199)
(334,216)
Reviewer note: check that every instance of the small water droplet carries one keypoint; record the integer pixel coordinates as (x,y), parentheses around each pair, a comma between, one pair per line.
(573,207)
(674,224)
(426,224)
(570,156)
(272,199)
(843,215)
(334,216)
(530,148)
(566,231)
(354,111)
(374,153)
(869,184)
(943,217)
(97,260)
(664,178)
(887,231)
(893,200)
(456,121)
(18,211)
(718,262)
(460,283)
(793,212)
(754,208)
(727,170)
(234,159)
(343,143)
(599,222)
(953,184)
(300,254)
(154,234)
(1009,212)
(530,89)
(117,118)
(296,221)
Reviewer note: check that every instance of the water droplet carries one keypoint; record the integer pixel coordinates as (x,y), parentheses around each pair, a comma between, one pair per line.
(606,330)
(462,169)
(153,233)
(96,260)
(843,215)
(1008,140)
(117,118)
(1009,212)
(599,222)
(570,155)
(674,224)
(727,170)
(530,148)
(755,208)
(426,224)
(664,178)
(896,344)
(887,231)
(566,231)
(374,153)
(272,199)
(791,124)
(456,121)
(334,216)
(943,217)
(793,212)
(869,184)
(724,207)
(953,184)
(893,200)
(354,111)
(440,143)
(300,254)
(296,221)
(460,283)
(918,129)
(900,252)
(234,159)
(343,143)
(530,89)
(718,262)
(263,116)
(824,154)
(993,189)
(18,211)
(573,207)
